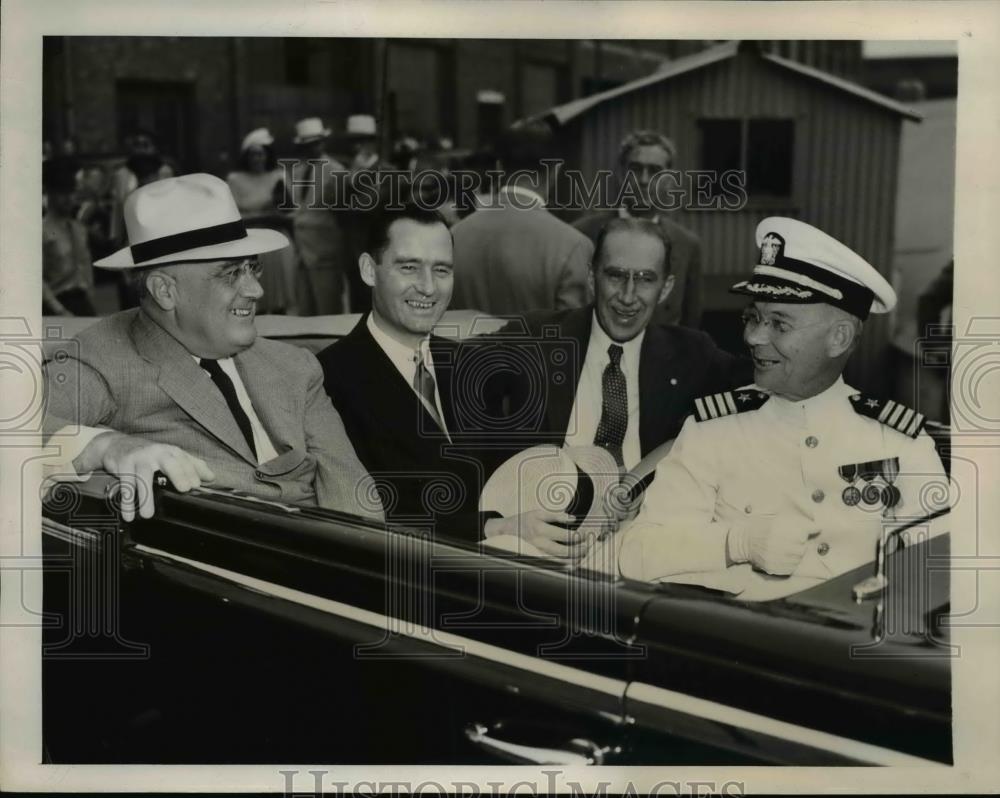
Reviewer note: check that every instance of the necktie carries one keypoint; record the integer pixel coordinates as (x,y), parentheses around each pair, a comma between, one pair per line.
(423,384)
(224,384)
(614,407)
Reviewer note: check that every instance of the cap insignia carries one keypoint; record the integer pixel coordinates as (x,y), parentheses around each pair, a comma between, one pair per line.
(771,248)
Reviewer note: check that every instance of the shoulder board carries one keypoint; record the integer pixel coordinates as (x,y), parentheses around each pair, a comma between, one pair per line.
(889,412)
(730,403)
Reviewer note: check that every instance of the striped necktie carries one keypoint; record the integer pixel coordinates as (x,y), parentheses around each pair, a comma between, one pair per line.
(423,384)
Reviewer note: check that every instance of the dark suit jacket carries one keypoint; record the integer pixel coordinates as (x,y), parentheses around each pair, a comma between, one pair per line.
(430,482)
(676,366)
(684,304)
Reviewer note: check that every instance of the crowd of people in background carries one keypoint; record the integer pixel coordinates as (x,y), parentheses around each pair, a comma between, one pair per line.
(83,200)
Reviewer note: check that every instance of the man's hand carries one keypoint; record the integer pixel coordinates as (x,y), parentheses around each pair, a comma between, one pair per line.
(537,527)
(134,460)
(774,544)
(619,506)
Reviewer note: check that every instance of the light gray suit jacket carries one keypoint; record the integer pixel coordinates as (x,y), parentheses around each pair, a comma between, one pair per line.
(128,374)
(509,260)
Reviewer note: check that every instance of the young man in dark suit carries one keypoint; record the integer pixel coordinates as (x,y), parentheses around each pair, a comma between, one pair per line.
(397,388)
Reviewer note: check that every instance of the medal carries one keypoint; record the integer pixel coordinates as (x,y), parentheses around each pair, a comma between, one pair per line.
(849,473)
(891,495)
(870,494)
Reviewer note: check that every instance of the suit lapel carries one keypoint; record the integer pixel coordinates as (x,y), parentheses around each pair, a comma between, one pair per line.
(654,357)
(184,381)
(562,393)
(267,393)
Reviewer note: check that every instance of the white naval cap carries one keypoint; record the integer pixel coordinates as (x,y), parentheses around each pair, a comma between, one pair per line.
(800,264)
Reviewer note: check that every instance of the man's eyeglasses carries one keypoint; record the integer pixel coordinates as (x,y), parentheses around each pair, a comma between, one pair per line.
(233,272)
(620,277)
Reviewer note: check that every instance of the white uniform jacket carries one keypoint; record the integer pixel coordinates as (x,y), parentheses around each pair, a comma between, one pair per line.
(784,458)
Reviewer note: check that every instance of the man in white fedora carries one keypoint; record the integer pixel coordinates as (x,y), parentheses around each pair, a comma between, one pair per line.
(794,479)
(183,384)
(317,188)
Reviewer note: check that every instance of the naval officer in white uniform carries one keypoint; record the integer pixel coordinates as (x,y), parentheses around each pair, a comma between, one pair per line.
(799,474)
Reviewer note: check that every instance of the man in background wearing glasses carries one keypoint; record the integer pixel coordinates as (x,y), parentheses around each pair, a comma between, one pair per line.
(604,374)
(183,385)
(797,475)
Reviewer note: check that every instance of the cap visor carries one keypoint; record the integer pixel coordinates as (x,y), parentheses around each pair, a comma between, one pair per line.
(258,241)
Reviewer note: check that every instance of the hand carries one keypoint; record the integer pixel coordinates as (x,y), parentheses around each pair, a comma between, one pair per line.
(537,527)
(134,460)
(619,506)
(774,544)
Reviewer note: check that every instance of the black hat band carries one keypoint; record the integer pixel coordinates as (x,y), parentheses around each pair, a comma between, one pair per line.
(189,239)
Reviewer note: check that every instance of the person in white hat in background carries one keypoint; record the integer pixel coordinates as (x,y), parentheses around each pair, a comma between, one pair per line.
(798,474)
(258,187)
(316,193)
(183,384)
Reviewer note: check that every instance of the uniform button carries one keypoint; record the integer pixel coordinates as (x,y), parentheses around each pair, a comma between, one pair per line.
(812,442)
(822,548)
(818,496)
(748,509)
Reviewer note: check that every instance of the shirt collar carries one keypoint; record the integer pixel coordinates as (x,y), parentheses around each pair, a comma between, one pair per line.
(397,352)
(834,395)
(599,342)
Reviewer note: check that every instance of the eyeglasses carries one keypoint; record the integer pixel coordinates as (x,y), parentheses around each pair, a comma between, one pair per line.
(235,271)
(619,278)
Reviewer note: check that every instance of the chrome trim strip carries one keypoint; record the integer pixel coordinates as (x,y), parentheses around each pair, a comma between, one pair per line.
(771,727)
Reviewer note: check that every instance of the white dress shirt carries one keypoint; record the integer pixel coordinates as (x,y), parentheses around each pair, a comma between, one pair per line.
(587,404)
(402,358)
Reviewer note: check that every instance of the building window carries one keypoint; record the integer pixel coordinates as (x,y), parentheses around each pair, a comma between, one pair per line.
(761,148)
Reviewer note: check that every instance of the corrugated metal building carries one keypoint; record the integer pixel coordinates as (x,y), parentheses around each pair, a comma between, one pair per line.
(813,146)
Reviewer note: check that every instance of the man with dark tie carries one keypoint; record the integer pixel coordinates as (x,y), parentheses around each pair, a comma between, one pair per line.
(183,384)
(400,391)
(611,377)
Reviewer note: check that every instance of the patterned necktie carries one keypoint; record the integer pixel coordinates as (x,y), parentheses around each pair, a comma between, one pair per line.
(224,384)
(614,407)
(423,384)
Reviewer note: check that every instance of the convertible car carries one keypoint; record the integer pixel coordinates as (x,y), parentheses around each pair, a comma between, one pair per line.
(227,629)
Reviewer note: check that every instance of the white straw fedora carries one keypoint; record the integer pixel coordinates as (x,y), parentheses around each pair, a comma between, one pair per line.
(191,217)
(578,480)
(260,137)
(310,129)
(361,125)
